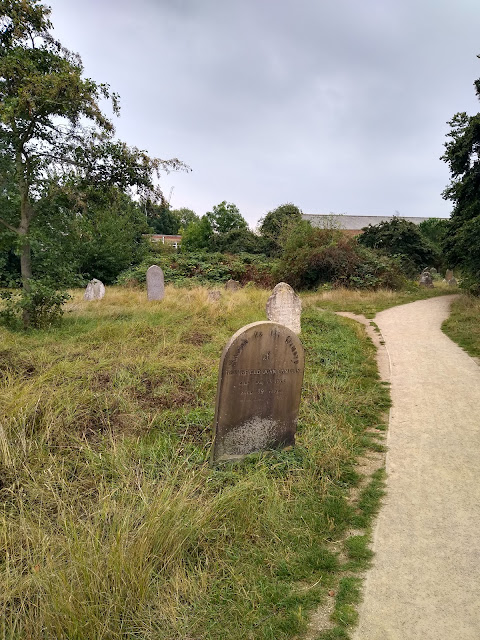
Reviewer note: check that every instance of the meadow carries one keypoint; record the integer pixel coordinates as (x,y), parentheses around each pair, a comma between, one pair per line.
(113,524)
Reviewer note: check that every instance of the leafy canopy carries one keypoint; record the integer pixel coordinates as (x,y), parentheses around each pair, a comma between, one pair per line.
(462,154)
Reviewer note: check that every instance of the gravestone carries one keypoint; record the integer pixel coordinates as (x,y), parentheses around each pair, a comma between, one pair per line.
(95,290)
(258,392)
(448,275)
(433,271)
(453,282)
(214,295)
(232,285)
(426,279)
(285,307)
(155,283)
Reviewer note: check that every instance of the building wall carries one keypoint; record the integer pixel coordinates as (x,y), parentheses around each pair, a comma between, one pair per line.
(353,225)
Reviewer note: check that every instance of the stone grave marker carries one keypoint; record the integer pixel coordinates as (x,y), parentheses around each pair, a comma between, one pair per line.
(453,282)
(285,307)
(433,271)
(448,274)
(232,285)
(426,279)
(258,392)
(155,283)
(214,295)
(95,290)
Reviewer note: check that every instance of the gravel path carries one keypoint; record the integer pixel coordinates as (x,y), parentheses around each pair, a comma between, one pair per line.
(425,580)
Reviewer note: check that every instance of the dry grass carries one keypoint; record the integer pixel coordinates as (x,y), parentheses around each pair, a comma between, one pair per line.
(112,523)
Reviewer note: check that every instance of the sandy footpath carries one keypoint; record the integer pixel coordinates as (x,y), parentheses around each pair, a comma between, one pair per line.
(425,580)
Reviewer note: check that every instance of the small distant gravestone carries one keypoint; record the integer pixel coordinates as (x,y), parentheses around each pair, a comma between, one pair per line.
(258,393)
(426,279)
(95,290)
(285,307)
(453,282)
(448,275)
(155,283)
(232,285)
(433,271)
(214,295)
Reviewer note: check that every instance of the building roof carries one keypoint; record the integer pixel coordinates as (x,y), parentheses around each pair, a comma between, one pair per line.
(352,223)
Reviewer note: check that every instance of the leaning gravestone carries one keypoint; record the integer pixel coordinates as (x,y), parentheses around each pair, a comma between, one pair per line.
(155,283)
(426,279)
(258,393)
(285,307)
(95,290)
(232,285)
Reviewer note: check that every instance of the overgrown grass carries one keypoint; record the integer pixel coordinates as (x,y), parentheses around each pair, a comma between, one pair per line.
(370,302)
(112,523)
(463,325)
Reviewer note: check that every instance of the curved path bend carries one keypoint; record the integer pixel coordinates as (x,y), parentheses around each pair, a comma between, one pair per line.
(425,580)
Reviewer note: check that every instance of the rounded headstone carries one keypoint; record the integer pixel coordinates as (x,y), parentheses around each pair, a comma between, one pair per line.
(285,307)
(155,283)
(258,392)
(453,282)
(214,295)
(232,285)
(95,290)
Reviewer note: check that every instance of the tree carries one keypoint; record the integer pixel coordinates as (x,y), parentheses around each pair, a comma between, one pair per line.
(161,218)
(462,154)
(225,217)
(400,237)
(185,217)
(51,126)
(198,235)
(276,223)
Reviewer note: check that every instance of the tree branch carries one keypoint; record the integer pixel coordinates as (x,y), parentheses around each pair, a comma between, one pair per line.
(9,226)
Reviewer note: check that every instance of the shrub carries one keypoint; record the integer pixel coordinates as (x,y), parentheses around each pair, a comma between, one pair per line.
(39,307)
(313,257)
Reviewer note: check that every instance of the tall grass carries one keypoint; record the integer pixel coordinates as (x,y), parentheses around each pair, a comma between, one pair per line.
(112,524)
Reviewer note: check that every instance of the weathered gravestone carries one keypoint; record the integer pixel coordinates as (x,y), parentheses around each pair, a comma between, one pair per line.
(214,295)
(426,279)
(258,393)
(448,274)
(95,290)
(433,271)
(285,307)
(453,282)
(155,283)
(232,285)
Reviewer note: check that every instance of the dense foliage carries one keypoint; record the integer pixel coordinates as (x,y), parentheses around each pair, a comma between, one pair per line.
(312,257)
(462,149)
(201,267)
(404,239)
(275,225)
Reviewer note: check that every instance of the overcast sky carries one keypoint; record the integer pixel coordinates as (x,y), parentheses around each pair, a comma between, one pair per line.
(338,106)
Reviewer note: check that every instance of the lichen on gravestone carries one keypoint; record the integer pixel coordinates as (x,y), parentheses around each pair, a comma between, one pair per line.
(258,392)
(285,307)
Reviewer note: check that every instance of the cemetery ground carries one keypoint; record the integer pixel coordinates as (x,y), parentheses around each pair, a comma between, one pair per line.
(113,525)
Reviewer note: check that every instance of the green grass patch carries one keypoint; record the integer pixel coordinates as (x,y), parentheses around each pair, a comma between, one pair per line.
(114,526)
(463,324)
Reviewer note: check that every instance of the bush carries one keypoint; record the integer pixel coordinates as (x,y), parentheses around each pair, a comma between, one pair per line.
(313,257)
(404,240)
(39,307)
(200,268)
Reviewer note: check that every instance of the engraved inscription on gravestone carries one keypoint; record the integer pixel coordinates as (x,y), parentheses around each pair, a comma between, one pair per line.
(258,393)
(95,290)
(155,283)
(285,307)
